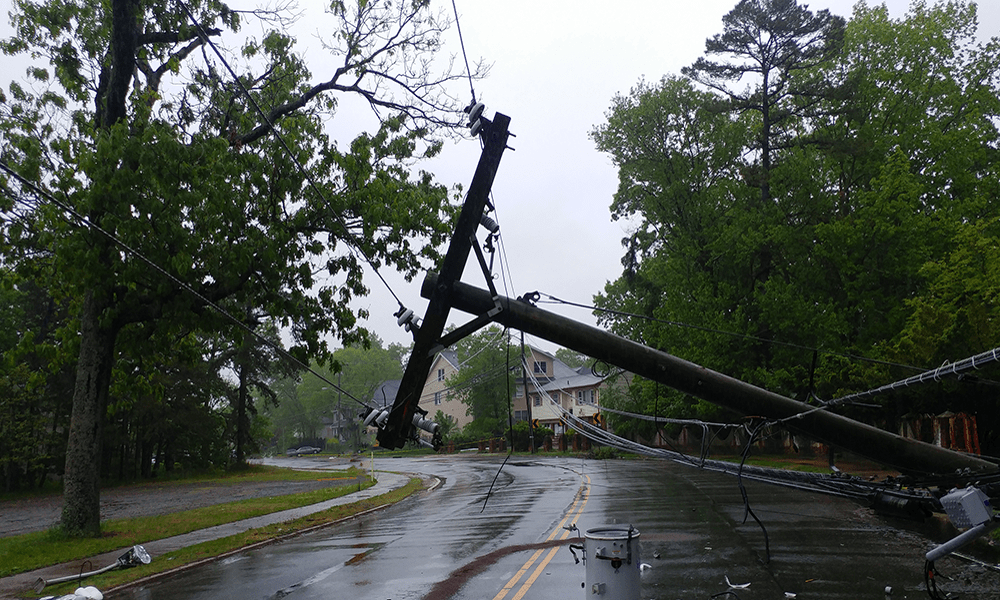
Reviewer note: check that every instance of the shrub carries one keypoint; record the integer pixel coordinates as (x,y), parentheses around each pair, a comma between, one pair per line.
(603,453)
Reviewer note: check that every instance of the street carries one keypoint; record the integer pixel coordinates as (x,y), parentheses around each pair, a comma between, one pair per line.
(445,544)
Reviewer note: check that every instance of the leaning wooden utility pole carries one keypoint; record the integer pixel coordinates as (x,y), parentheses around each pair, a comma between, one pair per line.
(909,456)
(399,424)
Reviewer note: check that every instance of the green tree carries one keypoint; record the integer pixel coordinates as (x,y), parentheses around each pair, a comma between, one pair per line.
(290,420)
(522,435)
(955,316)
(957,311)
(446,423)
(925,86)
(783,48)
(22,428)
(679,164)
(257,364)
(917,164)
(36,382)
(571,358)
(782,43)
(866,193)
(141,132)
(358,371)
(484,382)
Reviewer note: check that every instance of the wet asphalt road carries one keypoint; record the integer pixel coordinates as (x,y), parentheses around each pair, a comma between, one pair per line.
(444,544)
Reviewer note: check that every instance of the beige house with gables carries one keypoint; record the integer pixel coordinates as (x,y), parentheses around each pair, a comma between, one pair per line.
(549,380)
(437,396)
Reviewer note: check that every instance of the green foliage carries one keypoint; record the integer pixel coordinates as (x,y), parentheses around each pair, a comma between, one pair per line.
(785,229)
(571,358)
(129,123)
(957,309)
(447,425)
(484,383)
(603,453)
(522,436)
(22,429)
(35,383)
(783,44)
(303,405)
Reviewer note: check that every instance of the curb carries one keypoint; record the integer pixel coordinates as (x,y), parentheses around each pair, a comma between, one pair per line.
(20,584)
(204,561)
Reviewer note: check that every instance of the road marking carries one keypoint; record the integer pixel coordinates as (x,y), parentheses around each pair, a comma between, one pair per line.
(578,505)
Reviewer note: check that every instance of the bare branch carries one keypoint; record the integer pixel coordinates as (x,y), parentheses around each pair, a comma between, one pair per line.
(282,14)
(388,52)
(173,37)
(153,78)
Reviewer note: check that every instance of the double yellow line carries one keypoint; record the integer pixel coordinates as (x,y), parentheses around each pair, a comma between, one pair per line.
(571,515)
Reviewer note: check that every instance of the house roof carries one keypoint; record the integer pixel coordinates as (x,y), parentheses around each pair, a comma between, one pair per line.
(385,394)
(561,377)
(451,356)
(559,368)
(576,380)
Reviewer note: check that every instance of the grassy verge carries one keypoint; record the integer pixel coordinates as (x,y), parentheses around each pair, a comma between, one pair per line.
(107,582)
(35,550)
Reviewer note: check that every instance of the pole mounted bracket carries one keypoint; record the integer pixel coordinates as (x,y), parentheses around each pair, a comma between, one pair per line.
(398,426)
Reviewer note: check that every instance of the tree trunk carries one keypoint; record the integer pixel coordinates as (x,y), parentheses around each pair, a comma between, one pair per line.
(145,458)
(81,514)
(242,422)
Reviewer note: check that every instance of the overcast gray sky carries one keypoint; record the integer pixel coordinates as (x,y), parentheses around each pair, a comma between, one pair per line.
(556,66)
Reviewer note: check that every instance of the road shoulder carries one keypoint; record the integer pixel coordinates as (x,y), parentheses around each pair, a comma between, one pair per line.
(21,585)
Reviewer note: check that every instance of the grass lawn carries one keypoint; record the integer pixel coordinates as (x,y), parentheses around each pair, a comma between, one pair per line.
(107,582)
(34,550)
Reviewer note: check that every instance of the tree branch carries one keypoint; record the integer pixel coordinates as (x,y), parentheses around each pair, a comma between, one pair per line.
(173,37)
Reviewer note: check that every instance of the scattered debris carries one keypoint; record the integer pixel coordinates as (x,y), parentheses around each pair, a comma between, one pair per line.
(135,556)
(81,593)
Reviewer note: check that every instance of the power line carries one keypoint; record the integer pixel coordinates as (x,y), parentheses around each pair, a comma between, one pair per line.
(956,368)
(352,242)
(461,41)
(555,300)
(658,419)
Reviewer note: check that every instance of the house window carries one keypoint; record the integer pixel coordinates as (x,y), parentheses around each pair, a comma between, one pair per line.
(555,397)
(593,396)
(541,366)
(520,415)
(440,374)
(538,400)
(437,398)
(518,392)
(579,397)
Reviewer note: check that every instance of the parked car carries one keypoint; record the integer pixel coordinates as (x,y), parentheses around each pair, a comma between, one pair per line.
(303,450)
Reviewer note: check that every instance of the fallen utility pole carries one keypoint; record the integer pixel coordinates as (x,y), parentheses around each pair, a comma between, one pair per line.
(906,455)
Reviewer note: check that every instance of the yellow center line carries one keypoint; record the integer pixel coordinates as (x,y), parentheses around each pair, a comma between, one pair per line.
(531,580)
(580,500)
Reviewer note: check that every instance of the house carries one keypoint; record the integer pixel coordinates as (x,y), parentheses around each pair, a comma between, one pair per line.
(385,394)
(437,395)
(549,381)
